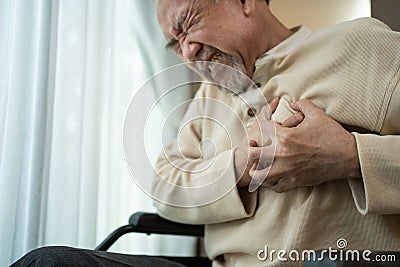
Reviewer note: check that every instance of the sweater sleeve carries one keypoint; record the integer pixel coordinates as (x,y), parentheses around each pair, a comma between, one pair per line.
(194,189)
(379,190)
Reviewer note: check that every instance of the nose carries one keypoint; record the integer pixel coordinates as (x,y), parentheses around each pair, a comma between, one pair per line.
(190,50)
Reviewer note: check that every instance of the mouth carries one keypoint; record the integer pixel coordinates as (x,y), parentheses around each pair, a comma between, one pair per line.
(222,69)
(214,58)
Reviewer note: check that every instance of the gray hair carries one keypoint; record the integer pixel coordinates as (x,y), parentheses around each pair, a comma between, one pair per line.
(216,1)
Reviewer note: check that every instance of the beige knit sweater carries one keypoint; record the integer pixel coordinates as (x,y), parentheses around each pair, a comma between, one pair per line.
(352,71)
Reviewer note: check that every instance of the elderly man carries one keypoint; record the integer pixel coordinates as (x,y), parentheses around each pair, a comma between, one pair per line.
(335,173)
(325,183)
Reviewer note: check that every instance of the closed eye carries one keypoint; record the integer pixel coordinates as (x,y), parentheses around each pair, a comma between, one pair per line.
(171,44)
(174,44)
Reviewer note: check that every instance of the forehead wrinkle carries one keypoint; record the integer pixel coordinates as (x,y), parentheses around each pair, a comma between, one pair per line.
(183,17)
(178,15)
(187,14)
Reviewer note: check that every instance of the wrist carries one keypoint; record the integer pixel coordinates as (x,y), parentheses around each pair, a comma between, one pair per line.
(240,166)
(354,167)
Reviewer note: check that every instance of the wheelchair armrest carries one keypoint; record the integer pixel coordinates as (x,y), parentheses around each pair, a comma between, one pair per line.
(151,223)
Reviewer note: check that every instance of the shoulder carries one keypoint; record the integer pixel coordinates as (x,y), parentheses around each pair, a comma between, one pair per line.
(362,28)
(358,34)
(364,23)
(369,34)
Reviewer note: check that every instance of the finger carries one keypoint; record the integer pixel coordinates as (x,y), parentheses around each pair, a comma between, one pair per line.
(277,169)
(258,174)
(259,171)
(274,104)
(283,185)
(268,127)
(267,110)
(293,120)
(306,107)
(257,178)
(260,177)
(254,154)
(266,132)
(264,156)
(271,181)
(264,140)
(267,156)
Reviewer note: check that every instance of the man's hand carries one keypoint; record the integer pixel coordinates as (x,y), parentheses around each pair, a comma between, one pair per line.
(249,151)
(317,150)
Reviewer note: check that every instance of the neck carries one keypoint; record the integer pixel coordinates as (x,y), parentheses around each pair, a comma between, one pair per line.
(277,33)
(272,35)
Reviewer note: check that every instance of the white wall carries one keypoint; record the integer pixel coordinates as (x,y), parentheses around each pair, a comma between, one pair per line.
(317,14)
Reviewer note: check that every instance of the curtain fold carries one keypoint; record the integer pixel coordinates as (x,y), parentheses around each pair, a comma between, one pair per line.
(68,72)
(23,120)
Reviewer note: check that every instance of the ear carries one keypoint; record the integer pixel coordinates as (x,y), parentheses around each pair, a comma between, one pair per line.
(248,6)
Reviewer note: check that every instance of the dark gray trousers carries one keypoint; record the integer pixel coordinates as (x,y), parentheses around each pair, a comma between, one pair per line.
(67,256)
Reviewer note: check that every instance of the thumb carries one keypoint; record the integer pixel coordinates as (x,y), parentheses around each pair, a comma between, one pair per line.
(274,104)
(306,107)
(293,120)
(267,110)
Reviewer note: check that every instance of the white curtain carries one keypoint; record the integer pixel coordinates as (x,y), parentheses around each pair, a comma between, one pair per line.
(68,71)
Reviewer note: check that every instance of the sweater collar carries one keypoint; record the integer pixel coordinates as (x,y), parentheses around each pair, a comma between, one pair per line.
(301,33)
(254,100)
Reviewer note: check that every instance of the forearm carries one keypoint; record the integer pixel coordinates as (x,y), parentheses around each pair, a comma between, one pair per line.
(200,191)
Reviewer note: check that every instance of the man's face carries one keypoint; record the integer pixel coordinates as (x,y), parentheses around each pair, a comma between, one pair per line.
(201,30)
